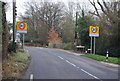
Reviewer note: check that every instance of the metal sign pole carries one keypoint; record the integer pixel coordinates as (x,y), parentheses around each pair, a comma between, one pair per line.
(94,45)
(23,41)
(91,45)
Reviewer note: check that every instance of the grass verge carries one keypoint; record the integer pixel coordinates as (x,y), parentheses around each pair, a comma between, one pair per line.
(15,65)
(103,58)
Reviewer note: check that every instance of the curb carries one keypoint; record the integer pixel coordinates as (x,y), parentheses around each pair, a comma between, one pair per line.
(78,54)
(110,64)
(105,63)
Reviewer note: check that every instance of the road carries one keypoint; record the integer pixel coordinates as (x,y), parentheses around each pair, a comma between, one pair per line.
(47,63)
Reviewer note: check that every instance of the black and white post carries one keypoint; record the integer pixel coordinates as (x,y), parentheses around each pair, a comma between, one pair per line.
(107,56)
(86,52)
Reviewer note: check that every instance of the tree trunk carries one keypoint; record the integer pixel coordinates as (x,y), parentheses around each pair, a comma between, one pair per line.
(4,33)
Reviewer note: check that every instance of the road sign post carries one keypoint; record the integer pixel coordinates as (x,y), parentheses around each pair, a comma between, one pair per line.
(94,46)
(91,46)
(22,28)
(93,32)
(22,41)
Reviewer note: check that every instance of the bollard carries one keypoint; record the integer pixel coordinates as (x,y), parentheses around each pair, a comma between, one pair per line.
(85,52)
(107,56)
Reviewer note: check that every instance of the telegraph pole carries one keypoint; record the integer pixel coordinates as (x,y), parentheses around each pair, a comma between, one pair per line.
(75,38)
(14,20)
(76,18)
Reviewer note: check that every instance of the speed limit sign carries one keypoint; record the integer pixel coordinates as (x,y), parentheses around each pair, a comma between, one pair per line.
(94,31)
(22,27)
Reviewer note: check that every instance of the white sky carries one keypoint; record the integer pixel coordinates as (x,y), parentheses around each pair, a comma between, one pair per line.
(20,4)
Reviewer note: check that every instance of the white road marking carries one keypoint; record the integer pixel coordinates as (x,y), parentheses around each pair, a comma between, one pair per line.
(60,57)
(81,69)
(89,74)
(71,63)
(78,67)
(31,77)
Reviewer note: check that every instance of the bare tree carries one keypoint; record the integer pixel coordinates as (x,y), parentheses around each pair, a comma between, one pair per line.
(42,17)
(108,8)
(108,21)
(68,24)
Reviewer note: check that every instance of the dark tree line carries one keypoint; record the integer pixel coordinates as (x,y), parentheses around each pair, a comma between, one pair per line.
(41,17)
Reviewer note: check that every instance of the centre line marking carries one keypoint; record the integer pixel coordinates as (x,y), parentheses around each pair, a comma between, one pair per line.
(71,63)
(78,67)
(31,77)
(90,74)
(60,57)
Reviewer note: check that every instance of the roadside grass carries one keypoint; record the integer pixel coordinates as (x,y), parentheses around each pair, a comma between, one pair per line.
(15,65)
(103,58)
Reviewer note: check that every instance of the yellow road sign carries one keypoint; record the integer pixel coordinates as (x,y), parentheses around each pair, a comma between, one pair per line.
(94,31)
(21,27)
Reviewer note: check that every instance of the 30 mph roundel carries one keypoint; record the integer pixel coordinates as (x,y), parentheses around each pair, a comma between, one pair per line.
(22,26)
(94,29)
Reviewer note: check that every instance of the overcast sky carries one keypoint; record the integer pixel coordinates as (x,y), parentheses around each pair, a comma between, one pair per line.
(20,4)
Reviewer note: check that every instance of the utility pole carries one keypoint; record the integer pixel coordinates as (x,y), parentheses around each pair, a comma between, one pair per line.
(14,20)
(76,18)
(75,38)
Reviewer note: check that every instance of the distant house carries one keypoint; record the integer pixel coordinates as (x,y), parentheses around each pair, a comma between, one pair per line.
(17,37)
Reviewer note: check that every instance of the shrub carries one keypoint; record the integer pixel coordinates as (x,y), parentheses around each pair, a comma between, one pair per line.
(68,46)
(32,44)
(51,45)
(12,47)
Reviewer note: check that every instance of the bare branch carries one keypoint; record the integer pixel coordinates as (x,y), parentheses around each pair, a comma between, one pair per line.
(93,13)
(102,8)
(93,3)
(105,5)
